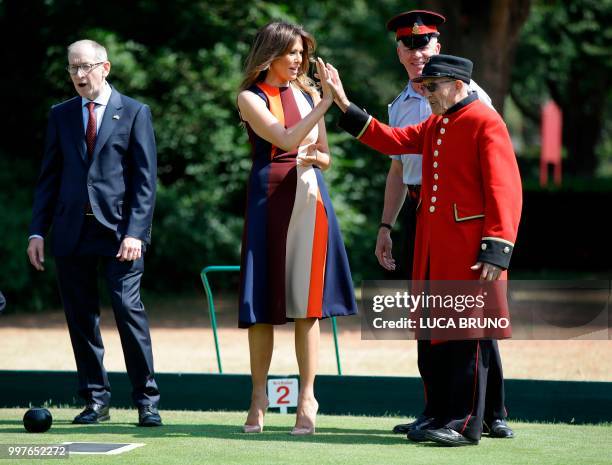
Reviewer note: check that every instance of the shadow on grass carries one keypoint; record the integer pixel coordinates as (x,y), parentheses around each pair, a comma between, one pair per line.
(226,432)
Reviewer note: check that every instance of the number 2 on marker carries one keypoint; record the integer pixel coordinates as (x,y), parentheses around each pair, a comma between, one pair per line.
(282,399)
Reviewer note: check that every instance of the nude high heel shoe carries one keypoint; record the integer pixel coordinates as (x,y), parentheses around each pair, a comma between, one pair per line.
(256,428)
(306,430)
(252,428)
(302,431)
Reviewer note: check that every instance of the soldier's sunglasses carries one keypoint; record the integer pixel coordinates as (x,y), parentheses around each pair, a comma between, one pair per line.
(433,86)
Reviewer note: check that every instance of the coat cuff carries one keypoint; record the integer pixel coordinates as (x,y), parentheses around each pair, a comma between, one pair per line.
(355,120)
(495,251)
(137,231)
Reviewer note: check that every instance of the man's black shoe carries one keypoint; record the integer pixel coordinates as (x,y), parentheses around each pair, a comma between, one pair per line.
(498,428)
(148,416)
(417,435)
(449,437)
(91,414)
(420,423)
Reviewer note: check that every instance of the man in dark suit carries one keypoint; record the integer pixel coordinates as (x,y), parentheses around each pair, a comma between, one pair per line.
(96,191)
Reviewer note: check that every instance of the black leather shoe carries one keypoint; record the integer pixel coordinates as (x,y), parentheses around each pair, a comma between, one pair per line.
(498,428)
(417,435)
(91,414)
(148,416)
(449,437)
(420,423)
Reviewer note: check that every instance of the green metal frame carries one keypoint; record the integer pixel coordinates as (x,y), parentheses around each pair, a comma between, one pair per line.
(213,317)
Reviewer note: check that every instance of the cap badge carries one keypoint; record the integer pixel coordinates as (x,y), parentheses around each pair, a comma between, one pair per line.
(415,28)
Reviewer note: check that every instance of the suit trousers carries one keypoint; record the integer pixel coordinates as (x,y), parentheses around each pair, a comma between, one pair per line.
(78,283)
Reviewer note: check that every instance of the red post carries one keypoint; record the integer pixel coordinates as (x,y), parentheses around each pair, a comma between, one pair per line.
(552,120)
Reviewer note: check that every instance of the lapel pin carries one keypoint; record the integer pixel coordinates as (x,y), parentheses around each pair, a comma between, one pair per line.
(116,116)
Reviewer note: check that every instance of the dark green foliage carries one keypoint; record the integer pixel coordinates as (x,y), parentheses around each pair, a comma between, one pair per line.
(23,287)
(565,54)
(184,59)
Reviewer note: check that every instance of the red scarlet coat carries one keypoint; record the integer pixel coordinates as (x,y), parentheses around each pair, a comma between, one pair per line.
(471,195)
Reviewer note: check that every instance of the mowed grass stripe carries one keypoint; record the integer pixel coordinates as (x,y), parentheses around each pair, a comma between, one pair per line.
(216,438)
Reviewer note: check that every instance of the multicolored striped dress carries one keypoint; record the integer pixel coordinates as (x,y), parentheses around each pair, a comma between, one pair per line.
(293,264)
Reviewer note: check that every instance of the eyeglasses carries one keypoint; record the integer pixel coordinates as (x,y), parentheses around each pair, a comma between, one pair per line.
(85,67)
(433,86)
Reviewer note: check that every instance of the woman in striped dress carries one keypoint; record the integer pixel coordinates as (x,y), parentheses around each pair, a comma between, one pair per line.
(294,265)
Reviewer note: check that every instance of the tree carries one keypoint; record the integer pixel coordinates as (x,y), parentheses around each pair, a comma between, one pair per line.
(487,33)
(184,59)
(564,54)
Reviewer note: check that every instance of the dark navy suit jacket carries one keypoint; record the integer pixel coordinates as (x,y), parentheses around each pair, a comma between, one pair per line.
(119,182)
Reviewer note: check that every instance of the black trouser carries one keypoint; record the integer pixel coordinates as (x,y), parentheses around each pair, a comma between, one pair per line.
(441,368)
(403,250)
(429,362)
(467,364)
(495,401)
(78,283)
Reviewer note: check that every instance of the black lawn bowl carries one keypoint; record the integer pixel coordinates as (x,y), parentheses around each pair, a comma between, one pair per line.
(37,420)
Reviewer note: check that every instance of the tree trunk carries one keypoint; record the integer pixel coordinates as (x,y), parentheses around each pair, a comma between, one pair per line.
(583,114)
(485,32)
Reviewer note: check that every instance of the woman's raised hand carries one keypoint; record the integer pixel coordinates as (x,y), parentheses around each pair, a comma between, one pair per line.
(325,80)
(331,85)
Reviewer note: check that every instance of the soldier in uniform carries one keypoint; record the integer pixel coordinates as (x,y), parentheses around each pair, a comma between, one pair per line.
(417,38)
(417,35)
(467,218)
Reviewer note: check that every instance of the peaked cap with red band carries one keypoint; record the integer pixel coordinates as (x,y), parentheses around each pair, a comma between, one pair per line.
(415,28)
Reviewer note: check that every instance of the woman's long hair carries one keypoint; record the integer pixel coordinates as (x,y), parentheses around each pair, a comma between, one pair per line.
(271,42)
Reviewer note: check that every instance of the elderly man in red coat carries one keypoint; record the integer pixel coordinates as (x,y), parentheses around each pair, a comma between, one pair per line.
(467,219)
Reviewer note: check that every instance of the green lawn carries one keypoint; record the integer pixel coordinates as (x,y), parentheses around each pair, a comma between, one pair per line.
(215,438)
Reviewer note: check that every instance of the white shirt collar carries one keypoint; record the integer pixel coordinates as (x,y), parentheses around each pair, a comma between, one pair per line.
(102,99)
